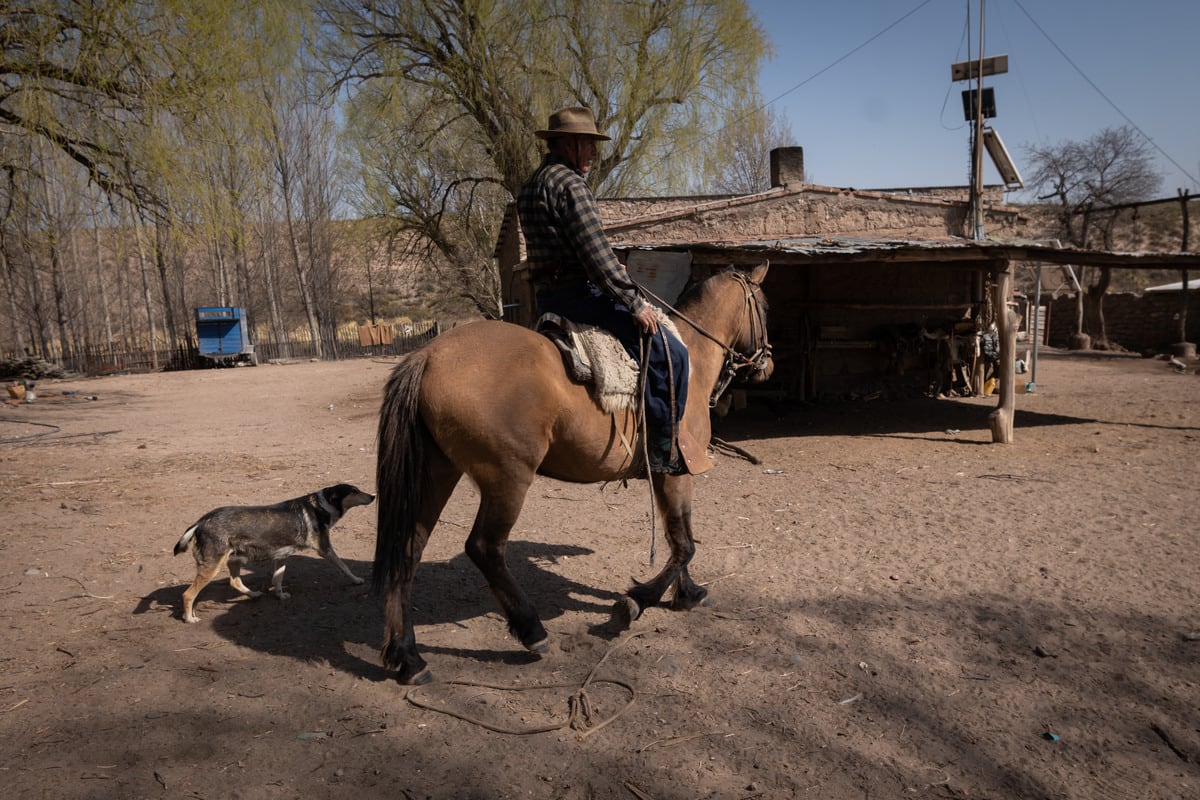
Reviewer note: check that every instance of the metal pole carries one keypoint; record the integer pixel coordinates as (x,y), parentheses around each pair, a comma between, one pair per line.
(1037,309)
(977,166)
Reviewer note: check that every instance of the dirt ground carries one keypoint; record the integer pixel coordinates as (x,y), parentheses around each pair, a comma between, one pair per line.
(901,609)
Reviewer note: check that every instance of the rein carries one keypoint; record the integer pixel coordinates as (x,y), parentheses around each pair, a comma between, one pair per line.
(735,362)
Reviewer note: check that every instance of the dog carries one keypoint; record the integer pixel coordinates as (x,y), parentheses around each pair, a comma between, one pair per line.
(233,535)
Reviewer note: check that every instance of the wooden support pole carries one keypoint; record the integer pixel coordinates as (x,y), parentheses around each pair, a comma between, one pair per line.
(978,365)
(1001,420)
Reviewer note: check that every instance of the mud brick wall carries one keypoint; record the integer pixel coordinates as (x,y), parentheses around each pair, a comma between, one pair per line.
(1147,322)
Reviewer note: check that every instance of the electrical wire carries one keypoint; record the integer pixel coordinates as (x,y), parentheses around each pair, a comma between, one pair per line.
(1100,92)
(815,75)
(1018,74)
(966,37)
(842,58)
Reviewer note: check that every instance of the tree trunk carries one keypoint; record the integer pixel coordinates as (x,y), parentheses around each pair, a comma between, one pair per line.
(1183,307)
(10,293)
(266,254)
(1094,295)
(1183,248)
(164,279)
(302,279)
(38,331)
(1080,340)
(103,281)
(147,295)
(62,319)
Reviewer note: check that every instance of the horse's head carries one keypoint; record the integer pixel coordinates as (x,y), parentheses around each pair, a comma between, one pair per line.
(730,309)
(751,346)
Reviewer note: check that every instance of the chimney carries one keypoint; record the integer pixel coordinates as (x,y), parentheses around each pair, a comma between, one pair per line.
(787,166)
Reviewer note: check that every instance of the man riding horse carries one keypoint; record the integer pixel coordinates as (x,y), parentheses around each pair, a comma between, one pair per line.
(577,276)
(492,401)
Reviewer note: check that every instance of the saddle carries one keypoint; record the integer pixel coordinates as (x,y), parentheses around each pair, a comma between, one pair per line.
(596,358)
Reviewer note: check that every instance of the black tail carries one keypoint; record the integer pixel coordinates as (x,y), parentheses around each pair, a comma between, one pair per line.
(400,473)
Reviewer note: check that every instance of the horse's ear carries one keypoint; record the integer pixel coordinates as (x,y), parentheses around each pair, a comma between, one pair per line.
(758,273)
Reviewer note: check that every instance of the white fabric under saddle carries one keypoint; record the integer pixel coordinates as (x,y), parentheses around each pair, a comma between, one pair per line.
(600,360)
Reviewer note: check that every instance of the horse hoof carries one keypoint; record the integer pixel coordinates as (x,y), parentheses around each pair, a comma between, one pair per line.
(418,679)
(697,599)
(540,647)
(626,611)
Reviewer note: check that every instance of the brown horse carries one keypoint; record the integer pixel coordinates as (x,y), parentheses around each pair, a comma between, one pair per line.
(492,400)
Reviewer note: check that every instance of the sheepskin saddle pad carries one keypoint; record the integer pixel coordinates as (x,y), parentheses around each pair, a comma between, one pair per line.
(595,357)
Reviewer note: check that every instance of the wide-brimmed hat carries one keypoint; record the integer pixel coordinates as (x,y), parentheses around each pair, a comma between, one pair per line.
(576,121)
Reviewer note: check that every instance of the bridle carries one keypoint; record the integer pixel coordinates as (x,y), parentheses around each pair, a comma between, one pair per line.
(759,355)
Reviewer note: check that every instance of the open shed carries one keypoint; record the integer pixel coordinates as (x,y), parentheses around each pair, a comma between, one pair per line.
(868,317)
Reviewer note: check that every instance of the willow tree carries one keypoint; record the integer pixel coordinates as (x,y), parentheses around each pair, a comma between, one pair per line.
(159,104)
(75,75)
(446,96)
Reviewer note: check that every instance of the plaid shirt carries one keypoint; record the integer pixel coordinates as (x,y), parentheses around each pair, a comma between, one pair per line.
(564,241)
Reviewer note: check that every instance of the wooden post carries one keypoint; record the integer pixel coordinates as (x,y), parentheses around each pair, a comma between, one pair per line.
(1001,420)
(979,281)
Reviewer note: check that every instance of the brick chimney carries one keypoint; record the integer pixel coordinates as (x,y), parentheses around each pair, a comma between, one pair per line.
(787,166)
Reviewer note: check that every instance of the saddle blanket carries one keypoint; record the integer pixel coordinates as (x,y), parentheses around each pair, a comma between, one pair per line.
(596,357)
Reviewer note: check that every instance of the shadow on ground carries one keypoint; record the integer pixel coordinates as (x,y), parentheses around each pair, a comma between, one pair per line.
(331,620)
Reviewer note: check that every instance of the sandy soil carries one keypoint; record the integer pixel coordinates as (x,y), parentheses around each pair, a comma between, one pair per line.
(901,609)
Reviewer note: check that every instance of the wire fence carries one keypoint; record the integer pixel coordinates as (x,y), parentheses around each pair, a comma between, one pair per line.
(346,343)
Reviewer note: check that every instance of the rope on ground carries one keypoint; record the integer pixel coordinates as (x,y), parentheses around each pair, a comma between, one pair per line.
(54,429)
(579,706)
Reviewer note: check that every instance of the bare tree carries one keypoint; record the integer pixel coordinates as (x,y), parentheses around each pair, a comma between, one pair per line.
(1083,177)
(303,157)
(743,150)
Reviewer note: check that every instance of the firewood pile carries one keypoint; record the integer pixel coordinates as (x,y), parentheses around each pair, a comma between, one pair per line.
(31,369)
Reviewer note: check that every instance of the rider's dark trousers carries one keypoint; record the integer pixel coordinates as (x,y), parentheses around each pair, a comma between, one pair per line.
(586,305)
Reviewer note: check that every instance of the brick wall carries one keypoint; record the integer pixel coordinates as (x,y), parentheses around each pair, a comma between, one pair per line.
(1147,322)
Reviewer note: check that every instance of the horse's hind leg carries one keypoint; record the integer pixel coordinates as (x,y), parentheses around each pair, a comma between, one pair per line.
(400,642)
(674,496)
(487,545)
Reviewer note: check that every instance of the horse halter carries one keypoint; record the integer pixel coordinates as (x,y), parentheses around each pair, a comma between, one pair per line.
(759,356)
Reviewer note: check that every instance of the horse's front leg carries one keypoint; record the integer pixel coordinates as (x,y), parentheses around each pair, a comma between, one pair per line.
(688,593)
(673,494)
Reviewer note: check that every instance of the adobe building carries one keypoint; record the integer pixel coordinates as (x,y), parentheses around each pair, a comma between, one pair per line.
(873,293)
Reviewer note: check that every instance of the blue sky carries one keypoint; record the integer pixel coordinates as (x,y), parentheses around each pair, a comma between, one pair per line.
(889,115)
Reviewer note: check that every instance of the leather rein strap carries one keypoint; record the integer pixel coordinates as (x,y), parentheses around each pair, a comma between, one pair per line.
(735,362)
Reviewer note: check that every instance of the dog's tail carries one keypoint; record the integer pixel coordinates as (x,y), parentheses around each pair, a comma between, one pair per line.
(186,540)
